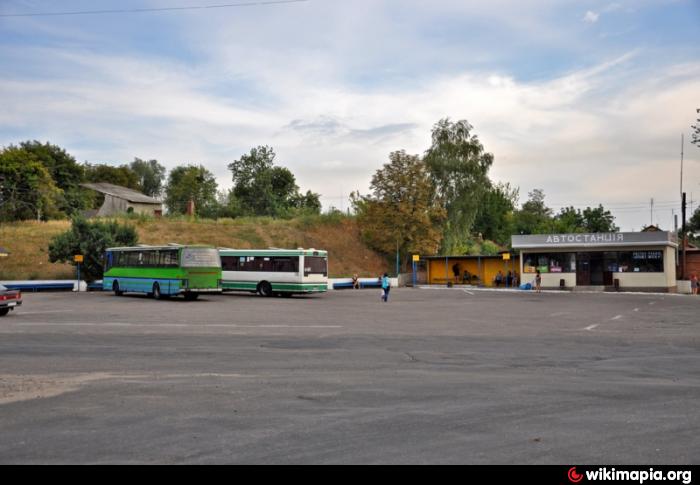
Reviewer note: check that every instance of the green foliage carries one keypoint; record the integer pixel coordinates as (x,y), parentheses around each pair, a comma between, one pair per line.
(458,167)
(536,218)
(90,239)
(495,218)
(694,223)
(27,190)
(695,140)
(262,189)
(121,175)
(150,175)
(402,212)
(598,220)
(66,173)
(191,182)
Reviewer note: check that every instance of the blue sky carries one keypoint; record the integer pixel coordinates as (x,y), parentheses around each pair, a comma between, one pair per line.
(586,100)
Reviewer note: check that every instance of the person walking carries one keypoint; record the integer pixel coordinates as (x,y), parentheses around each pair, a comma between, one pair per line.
(538,282)
(386,287)
(694,284)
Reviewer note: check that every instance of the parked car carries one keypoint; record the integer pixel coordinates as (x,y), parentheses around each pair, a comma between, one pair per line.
(9,300)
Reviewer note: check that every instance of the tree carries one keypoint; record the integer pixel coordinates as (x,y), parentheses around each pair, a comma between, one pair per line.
(27,190)
(458,167)
(694,223)
(90,239)
(262,189)
(121,175)
(402,210)
(150,175)
(192,182)
(534,217)
(66,173)
(309,202)
(599,220)
(494,220)
(569,220)
(695,140)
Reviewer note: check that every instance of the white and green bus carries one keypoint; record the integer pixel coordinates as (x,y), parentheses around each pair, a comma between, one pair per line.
(269,272)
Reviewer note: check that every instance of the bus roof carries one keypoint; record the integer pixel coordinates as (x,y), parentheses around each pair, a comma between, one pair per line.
(159,248)
(272,252)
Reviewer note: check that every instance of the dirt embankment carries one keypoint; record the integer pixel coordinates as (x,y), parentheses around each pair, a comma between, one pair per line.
(28,242)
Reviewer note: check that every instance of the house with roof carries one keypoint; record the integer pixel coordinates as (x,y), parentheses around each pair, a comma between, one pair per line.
(120,200)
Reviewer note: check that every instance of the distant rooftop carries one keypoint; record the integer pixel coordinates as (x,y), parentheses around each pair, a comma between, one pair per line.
(122,193)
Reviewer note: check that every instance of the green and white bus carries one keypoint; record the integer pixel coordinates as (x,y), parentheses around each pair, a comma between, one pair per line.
(163,271)
(269,272)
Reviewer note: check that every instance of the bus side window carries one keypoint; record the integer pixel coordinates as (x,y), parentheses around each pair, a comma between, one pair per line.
(229,263)
(168,259)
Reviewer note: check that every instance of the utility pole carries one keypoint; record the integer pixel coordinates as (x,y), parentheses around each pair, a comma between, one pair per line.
(684,238)
(651,212)
(682,140)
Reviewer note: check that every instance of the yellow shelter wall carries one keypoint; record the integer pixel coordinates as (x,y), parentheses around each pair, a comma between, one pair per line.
(439,272)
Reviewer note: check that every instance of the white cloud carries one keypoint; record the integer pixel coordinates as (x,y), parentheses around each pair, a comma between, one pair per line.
(591,17)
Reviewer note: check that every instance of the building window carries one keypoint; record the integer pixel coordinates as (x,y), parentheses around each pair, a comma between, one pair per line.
(641,262)
(550,263)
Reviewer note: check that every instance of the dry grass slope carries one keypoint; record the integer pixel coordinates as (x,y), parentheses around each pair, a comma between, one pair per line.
(29,241)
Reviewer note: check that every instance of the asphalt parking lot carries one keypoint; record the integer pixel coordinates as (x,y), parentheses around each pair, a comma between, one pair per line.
(434,376)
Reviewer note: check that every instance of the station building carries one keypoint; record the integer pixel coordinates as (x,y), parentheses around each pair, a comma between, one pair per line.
(628,261)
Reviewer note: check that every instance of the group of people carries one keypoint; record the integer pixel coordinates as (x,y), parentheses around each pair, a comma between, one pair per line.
(510,280)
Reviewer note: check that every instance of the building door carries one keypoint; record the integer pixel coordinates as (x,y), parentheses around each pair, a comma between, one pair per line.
(597,267)
(583,269)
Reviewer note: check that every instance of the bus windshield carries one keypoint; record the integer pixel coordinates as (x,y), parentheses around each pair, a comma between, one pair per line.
(315,265)
(200,258)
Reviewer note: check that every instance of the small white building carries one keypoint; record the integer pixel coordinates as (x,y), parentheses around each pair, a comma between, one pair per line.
(628,261)
(120,200)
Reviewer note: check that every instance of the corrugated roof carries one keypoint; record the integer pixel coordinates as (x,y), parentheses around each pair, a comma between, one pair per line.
(122,193)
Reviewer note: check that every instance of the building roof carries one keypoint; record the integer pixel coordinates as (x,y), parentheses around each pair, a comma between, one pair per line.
(122,193)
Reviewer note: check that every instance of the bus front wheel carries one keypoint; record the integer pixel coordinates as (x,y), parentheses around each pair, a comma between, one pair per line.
(115,288)
(265,289)
(156,292)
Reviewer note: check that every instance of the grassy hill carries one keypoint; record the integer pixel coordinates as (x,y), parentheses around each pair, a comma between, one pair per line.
(28,242)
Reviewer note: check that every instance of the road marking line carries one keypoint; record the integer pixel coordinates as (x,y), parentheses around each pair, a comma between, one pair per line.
(591,327)
(616,317)
(468,292)
(164,325)
(48,311)
(636,309)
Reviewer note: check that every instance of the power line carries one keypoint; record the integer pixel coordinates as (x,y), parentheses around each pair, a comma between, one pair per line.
(144,10)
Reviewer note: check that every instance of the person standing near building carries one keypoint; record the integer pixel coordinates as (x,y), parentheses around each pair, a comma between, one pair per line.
(538,281)
(386,287)
(694,284)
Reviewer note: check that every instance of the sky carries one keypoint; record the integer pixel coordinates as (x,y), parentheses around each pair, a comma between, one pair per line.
(584,99)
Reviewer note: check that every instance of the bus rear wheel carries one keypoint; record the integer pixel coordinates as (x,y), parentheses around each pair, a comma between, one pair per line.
(265,289)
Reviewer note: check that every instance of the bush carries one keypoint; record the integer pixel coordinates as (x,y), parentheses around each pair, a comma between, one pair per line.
(90,239)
